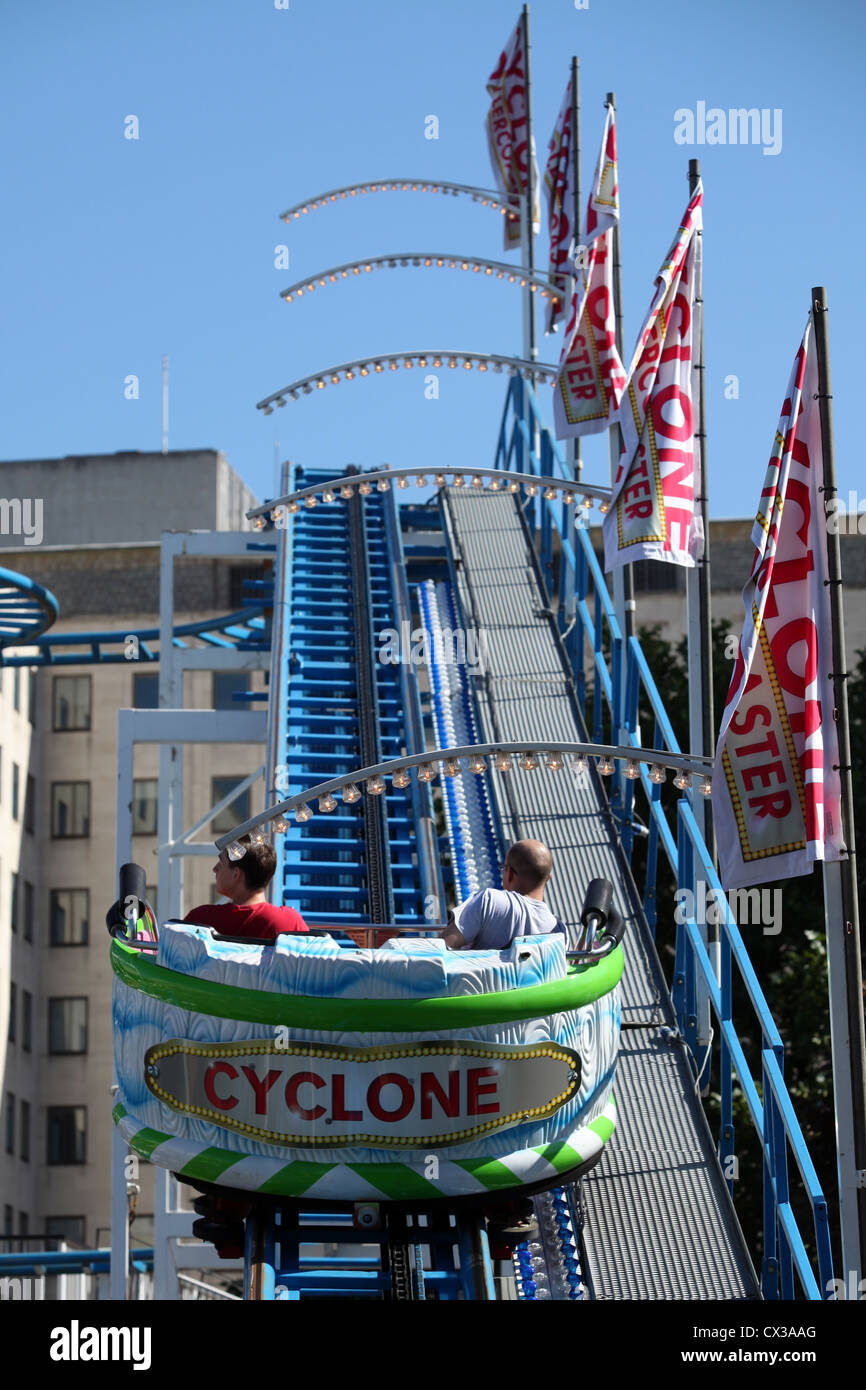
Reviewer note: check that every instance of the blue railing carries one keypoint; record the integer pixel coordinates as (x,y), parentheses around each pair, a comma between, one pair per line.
(526,445)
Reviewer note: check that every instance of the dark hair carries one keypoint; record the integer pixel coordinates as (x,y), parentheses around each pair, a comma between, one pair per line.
(258,864)
(530,863)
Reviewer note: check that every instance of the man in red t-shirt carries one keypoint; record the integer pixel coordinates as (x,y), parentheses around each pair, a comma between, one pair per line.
(248,913)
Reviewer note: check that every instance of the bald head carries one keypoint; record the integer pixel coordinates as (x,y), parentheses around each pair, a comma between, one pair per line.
(527,867)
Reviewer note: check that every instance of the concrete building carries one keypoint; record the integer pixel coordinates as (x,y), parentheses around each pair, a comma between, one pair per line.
(99,554)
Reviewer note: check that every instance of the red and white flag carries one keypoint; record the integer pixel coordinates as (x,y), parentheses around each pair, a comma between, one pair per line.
(507,132)
(559,186)
(652,508)
(588,388)
(776,793)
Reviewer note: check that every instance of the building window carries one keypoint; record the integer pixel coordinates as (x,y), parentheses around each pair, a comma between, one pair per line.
(70,916)
(29,805)
(67,1027)
(236,812)
(14,791)
(31,696)
(10,1123)
(14,903)
(238,576)
(71,702)
(70,810)
(13,1010)
(144,806)
(26,1020)
(225,683)
(16,687)
(69,1228)
(28,911)
(145,691)
(25,1131)
(67,1134)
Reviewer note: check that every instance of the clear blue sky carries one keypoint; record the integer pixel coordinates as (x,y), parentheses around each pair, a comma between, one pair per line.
(118,251)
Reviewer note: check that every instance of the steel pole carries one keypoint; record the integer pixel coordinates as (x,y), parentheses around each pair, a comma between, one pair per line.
(842,918)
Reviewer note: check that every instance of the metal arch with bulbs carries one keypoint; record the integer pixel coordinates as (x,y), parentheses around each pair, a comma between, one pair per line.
(487,197)
(382,479)
(684,767)
(375,363)
(502,270)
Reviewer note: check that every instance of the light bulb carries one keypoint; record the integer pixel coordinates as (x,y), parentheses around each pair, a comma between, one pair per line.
(280,826)
(477,480)
(604,508)
(706,787)
(451,767)
(459,480)
(606,766)
(420,480)
(494,485)
(682,781)
(346,491)
(513,487)
(586,503)
(236,851)
(632,769)
(400,777)
(440,479)
(375,786)
(351,794)
(304,812)
(502,762)
(568,498)
(550,494)
(328,495)
(528,761)
(403,482)
(531,490)
(383,485)
(310,502)
(365,489)
(294,506)
(477,764)
(657,773)
(426,772)
(579,764)
(554,761)
(328,802)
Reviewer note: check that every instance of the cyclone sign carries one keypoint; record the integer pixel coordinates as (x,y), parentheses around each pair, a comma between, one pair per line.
(393,1095)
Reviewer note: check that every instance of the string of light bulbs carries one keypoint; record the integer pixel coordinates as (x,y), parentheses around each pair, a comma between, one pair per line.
(479,265)
(501,757)
(495,479)
(487,197)
(377,363)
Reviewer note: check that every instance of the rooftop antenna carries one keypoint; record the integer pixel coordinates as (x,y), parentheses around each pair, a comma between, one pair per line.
(165,405)
(276,468)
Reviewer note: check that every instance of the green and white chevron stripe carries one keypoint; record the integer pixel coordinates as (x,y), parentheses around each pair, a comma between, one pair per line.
(366,1182)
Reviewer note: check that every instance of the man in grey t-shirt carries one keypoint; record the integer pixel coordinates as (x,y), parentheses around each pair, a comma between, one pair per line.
(491,919)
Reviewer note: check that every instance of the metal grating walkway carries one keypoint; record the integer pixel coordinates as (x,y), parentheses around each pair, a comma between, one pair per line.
(659,1220)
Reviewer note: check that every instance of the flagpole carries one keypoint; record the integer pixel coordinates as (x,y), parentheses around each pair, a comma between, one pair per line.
(530,350)
(576,460)
(623,583)
(702,726)
(841,908)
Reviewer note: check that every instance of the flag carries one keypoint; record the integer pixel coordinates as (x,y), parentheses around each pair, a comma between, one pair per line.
(652,507)
(776,787)
(507,127)
(588,387)
(559,184)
